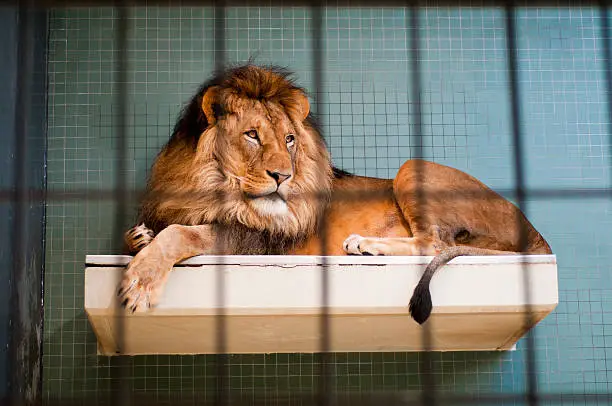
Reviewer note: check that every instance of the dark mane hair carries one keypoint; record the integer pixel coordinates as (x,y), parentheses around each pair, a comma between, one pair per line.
(192,122)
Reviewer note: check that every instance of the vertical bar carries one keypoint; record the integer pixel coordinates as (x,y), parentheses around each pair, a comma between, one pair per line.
(221,367)
(16,372)
(323,397)
(607,65)
(119,382)
(532,396)
(428,383)
(28,27)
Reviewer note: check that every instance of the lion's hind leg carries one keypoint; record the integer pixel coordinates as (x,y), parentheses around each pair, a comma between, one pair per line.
(470,218)
(138,237)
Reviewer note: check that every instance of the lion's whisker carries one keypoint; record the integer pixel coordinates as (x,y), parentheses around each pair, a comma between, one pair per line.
(231,175)
(242,179)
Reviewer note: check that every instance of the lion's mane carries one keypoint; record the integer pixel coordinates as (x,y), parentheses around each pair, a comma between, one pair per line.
(189,182)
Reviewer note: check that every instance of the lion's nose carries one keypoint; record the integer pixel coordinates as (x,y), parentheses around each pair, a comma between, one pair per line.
(278,176)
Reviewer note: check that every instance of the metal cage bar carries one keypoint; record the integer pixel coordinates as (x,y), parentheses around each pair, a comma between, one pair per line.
(221,359)
(428,387)
(322,357)
(22,207)
(519,180)
(607,64)
(119,374)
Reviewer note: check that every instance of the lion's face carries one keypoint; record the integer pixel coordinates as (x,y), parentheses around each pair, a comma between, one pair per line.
(271,166)
(261,144)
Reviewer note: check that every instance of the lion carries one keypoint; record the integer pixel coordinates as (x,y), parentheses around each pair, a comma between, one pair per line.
(246,171)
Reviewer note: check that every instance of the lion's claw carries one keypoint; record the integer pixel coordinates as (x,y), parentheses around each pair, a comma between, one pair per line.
(142,281)
(138,237)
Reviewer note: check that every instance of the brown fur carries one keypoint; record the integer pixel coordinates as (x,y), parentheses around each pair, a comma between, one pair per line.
(201,185)
(213,177)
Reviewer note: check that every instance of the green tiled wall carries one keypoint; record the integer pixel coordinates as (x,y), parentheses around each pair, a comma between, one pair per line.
(367,115)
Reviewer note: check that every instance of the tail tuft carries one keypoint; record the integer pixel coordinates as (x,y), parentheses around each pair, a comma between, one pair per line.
(420,303)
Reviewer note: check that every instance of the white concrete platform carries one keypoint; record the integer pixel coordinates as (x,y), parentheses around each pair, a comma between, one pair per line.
(273,304)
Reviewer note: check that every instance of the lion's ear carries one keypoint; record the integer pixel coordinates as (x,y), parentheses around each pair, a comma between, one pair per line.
(303,102)
(210,104)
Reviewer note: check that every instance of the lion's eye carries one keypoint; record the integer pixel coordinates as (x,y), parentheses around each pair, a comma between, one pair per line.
(252,136)
(290,139)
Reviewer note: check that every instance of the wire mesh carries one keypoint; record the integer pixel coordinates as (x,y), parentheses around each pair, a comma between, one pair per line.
(121,370)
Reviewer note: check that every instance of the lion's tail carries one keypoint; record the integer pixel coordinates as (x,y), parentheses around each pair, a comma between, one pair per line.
(420,303)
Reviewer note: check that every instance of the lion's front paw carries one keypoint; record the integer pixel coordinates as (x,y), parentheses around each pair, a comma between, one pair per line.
(358,245)
(143,281)
(138,237)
